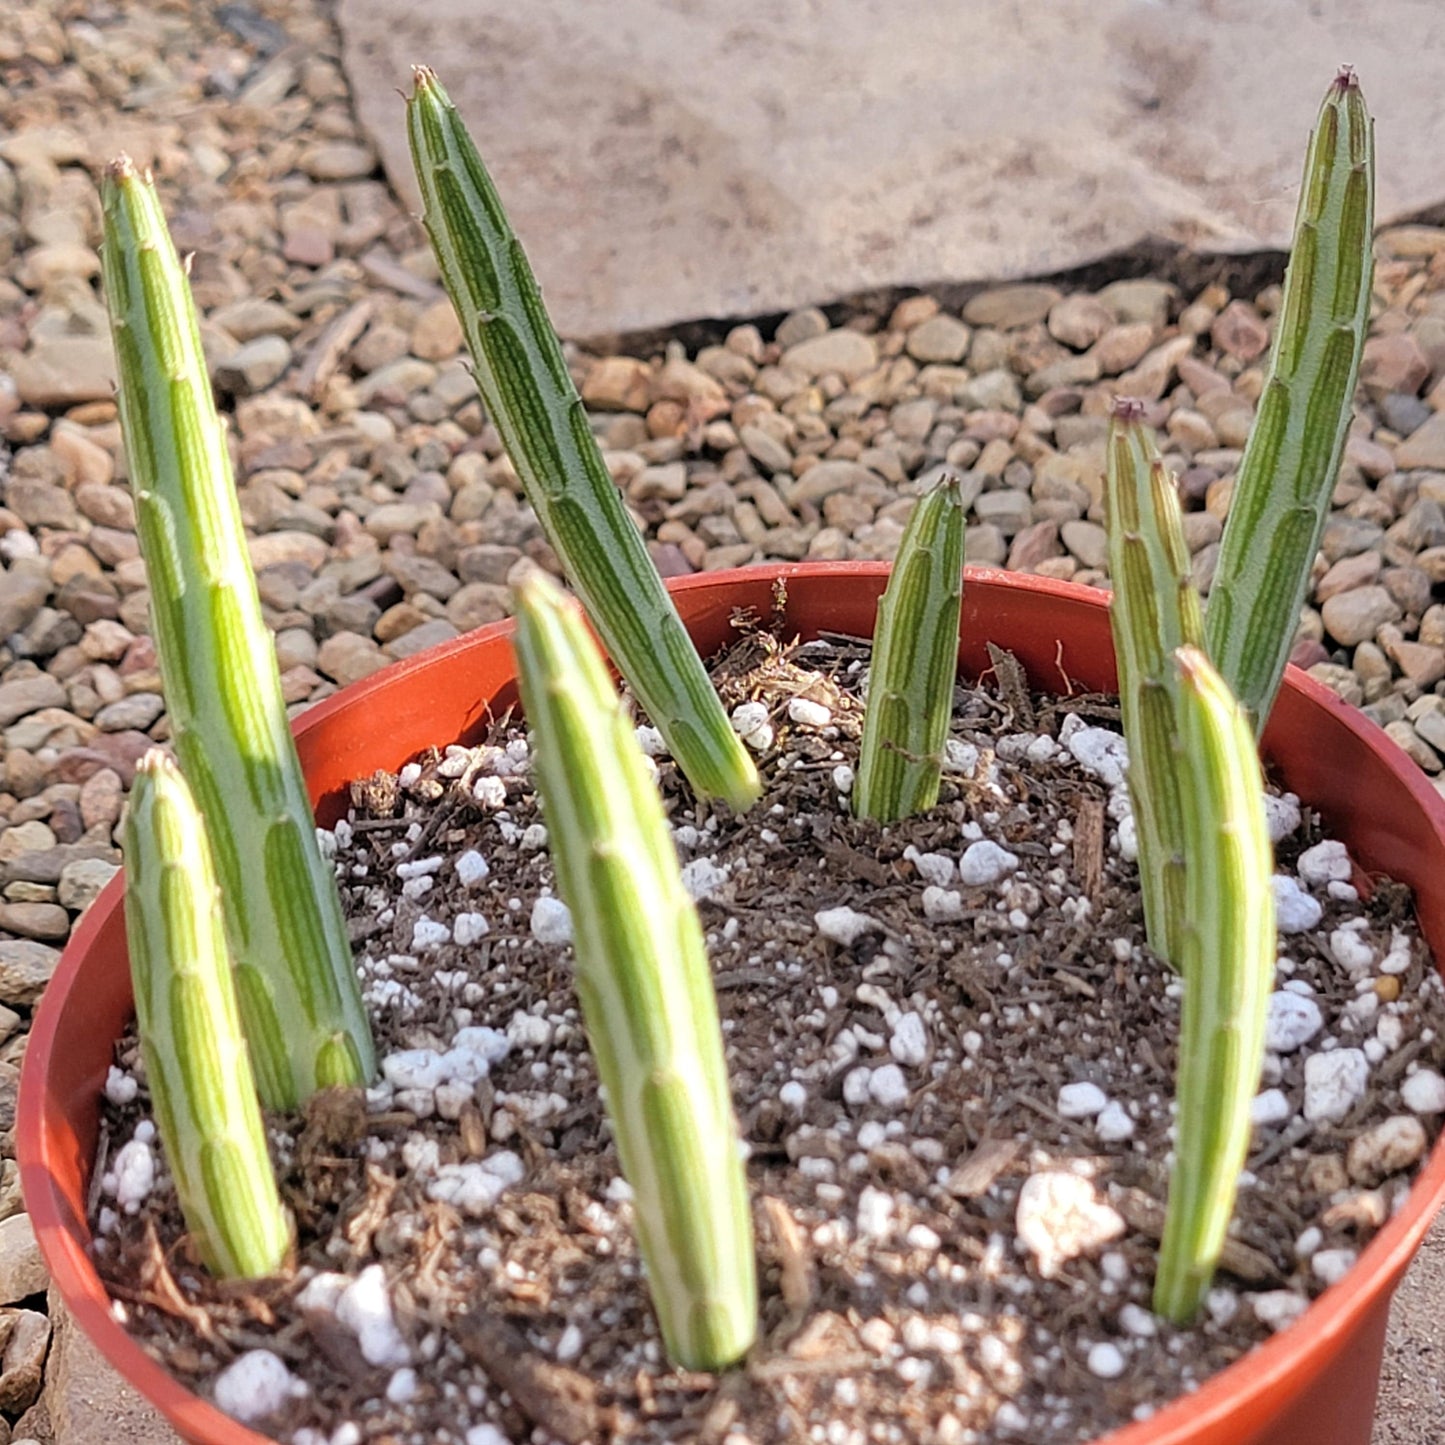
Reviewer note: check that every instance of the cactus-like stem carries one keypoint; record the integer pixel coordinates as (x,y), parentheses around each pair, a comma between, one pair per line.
(197,1067)
(1227,962)
(915,661)
(1287,474)
(302,1008)
(531,399)
(645,987)
(1155,609)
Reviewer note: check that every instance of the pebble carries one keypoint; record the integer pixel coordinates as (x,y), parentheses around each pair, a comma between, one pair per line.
(1386,1148)
(843,352)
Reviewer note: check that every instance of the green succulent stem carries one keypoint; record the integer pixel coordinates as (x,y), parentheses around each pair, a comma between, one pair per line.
(523,379)
(1291,460)
(915,661)
(299,997)
(645,988)
(1227,963)
(1155,609)
(202,1089)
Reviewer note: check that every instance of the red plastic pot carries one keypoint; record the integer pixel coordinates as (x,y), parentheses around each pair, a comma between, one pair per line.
(1312,1385)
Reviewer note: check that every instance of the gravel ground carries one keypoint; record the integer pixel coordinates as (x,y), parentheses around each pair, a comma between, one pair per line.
(386,518)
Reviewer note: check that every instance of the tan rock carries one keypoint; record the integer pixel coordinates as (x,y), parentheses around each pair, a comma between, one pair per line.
(618,383)
(1394,364)
(65,370)
(26,1334)
(22,1271)
(87,1402)
(437,335)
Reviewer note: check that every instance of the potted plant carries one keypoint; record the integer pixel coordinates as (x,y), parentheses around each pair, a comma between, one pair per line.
(1292,1388)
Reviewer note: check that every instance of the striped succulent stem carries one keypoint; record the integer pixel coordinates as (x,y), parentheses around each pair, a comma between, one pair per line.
(1227,962)
(1287,474)
(197,1067)
(915,660)
(645,987)
(530,397)
(1155,609)
(300,1002)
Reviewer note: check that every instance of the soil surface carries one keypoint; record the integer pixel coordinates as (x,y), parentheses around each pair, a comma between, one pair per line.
(952,1058)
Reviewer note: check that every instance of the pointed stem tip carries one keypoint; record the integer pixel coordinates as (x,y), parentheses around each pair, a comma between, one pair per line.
(1128,409)
(1345,78)
(120,168)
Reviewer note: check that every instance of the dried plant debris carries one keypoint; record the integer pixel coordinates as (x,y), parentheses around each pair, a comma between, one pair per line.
(952,1061)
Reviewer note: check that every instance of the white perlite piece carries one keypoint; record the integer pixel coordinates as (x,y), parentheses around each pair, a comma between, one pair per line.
(120,1087)
(935,868)
(365,1309)
(809,714)
(1270,1107)
(875,1213)
(1424,1092)
(1295,911)
(909,1044)
(1082,1100)
(887,1087)
(551,920)
(1100,752)
(985,862)
(1330,1266)
(1291,1021)
(490,793)
(960,757)
(651,741)
(1137,1321)
(486,1434)
(473,1187)
(940,905)
(1106,1360)
(427,933)
(1281,815)
(135,1174)
(471,868)
(844,925)
(843,778)
(1060,1216)
(469,928)
(1114,1124)
(750,723)
(1278,1309)
(702,878)
(1334,1083)
(1327,862)
(1351,951)
(254,1386)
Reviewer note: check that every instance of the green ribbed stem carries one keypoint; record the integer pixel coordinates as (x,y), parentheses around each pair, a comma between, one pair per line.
(202,1090)
(529,395)
(645,987)
(1290,463)
(1155,609)
(1227,963)
(915,662)
(300,1001)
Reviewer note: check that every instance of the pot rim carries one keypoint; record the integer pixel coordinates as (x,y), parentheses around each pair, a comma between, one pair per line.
(1338,1310)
